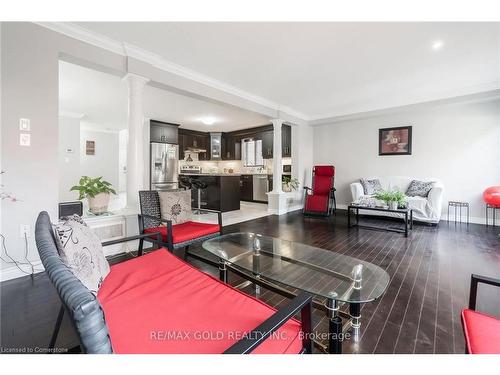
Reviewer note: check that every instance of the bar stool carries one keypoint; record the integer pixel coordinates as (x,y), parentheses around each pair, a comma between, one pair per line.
(199,186)
(185,183)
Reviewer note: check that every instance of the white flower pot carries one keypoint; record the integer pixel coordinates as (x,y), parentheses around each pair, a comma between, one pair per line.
(99,204)
(393,205)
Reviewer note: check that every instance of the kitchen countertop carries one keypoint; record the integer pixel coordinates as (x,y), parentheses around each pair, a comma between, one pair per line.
(225,174)
(212,174)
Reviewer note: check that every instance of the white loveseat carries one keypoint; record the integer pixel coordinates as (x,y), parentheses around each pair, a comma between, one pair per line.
(424,209)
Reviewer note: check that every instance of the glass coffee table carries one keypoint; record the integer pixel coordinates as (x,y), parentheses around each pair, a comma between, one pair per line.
(281,265)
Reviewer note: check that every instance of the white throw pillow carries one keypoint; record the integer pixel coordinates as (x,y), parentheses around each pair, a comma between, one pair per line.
(81,250)
(175,206)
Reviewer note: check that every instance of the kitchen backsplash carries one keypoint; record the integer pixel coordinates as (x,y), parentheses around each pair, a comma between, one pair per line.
(223,166)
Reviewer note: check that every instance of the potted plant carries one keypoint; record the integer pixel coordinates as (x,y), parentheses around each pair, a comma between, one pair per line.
(290,184)
(394,199)
(96,191)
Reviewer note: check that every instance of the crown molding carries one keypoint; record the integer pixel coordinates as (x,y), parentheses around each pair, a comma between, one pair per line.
(462,92)
(163,64)
(129,50)
(477,97)
(84,35)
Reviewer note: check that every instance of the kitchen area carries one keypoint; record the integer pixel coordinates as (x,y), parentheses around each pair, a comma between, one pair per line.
(227,171)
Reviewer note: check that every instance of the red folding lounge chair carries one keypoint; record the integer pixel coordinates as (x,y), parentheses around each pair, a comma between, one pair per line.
(482,331)
(320,200)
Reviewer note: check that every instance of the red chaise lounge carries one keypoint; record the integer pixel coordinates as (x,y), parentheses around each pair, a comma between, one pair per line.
(157,303)
(482,331)
(320,200)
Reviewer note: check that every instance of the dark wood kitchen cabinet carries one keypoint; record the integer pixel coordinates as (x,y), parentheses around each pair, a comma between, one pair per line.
(204,143)
(194,139)
(163,132)
(286,141)
(221,194)
(227,150)
(231,147)
(267,138)
(231,142)
(181,145)
(246,187)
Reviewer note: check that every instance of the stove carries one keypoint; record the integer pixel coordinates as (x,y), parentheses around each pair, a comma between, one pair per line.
(190,169)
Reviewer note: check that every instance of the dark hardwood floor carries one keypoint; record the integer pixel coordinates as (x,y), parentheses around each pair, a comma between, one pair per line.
(419,312)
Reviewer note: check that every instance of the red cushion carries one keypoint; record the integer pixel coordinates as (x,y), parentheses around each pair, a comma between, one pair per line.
(322,185)
(189,230)
(324,170)
(323,179)
(482,332)
(316,203)
(152,296)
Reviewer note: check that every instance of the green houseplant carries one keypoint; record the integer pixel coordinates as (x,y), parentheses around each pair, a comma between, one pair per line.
(97,191)
(394,199)
(290,184)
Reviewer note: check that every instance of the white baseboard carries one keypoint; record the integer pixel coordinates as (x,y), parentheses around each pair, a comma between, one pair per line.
(273,211)
(13,272)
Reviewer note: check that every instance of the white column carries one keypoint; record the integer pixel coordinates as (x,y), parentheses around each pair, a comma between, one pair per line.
(135,143)
(277,162)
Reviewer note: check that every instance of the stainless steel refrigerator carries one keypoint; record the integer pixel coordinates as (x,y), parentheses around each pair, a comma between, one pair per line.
(164,166)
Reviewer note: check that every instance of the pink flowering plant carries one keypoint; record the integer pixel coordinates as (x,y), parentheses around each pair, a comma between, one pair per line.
(5,195)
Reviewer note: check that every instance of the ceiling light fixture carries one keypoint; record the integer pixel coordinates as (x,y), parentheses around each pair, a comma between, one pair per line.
(437,45)
(208,120)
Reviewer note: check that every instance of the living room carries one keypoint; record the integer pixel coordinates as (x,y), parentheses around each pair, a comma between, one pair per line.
(341,201)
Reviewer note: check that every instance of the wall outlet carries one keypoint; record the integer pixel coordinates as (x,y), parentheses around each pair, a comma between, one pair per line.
(24,124)
(24,229)
(25,139)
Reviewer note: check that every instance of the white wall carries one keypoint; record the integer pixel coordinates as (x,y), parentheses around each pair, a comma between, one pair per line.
(30,69)
(69,162)
(458,143)
(30,57)
(105,162)
(302,154)
(122,160)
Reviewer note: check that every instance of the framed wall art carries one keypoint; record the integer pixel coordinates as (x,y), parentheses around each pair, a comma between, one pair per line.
(394,141)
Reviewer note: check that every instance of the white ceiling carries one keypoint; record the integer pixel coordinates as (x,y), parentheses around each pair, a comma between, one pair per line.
(102,99)
(328,69)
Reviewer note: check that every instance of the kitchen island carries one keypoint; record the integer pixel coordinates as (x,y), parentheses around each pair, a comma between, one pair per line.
(222,192)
